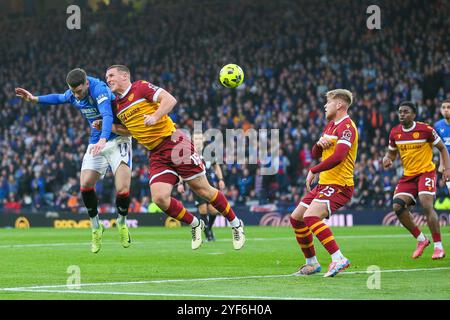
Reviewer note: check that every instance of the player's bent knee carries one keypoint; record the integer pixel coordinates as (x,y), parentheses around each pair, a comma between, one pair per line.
(428,208)
(162,201)
(123,190)
(297,216)
(205,192)
(295,221)
(398,205)
(85,186)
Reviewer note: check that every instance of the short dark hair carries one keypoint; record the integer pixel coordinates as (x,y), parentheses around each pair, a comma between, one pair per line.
(445,101)
(120,67)
(76,77)
(410,104)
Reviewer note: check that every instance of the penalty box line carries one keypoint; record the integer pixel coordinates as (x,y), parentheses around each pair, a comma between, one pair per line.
(71,287)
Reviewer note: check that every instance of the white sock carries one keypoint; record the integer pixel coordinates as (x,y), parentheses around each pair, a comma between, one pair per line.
(235,223)
(312,260)
(337,255)
(121,219)
(195,222)
(438,245)
(95,223)
(421,237)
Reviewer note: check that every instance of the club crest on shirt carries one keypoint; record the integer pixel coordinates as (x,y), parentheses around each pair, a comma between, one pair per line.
(416,135)
(131,97)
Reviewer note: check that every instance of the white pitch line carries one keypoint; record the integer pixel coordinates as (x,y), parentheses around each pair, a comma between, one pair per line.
(31,245)
(396,270)
(154,294)
(210,279)
(218,240)
(152,281)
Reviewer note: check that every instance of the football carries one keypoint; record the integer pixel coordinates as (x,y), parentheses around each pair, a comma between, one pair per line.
(231,76)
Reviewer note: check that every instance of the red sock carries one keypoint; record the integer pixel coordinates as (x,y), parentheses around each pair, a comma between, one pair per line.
(304,237)
(221,204)
(177,211)
(436,237)
(416,232)
(322,232)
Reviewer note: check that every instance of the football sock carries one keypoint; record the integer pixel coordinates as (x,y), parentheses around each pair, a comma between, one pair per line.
(195,222)
(437,240)
(438,245)
(220,203)
(304,238)
(95,222)
(121,220)
(337,255)
(235,223)
(418,234)
(312,260)
(122,204)
(322,232)
(90,202)
(177,211)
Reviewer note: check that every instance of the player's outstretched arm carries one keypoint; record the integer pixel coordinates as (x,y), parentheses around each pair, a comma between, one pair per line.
(54,98)
(26,95)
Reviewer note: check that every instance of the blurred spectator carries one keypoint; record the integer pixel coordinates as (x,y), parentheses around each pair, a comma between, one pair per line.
(135,205)
(305,156)
(289,61)
(12,204)
(72,202)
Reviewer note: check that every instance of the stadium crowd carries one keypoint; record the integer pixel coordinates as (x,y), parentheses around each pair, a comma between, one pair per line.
(291,55)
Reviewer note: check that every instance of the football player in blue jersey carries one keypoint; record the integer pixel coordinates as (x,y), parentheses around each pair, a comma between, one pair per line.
(442,127)
(93,98)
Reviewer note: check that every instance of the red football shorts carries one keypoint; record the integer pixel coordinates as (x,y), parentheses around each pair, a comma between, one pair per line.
(333,195)
(175,156)
(411,186)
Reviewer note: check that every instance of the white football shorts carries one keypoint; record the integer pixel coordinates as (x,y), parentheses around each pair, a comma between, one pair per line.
(115,151)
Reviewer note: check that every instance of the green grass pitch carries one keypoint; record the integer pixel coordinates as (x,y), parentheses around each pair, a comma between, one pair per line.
(161,265)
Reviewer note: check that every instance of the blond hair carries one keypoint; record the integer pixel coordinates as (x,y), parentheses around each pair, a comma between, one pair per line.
(343,94)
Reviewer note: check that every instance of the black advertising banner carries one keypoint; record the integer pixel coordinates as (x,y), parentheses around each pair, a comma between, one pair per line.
(267,215)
